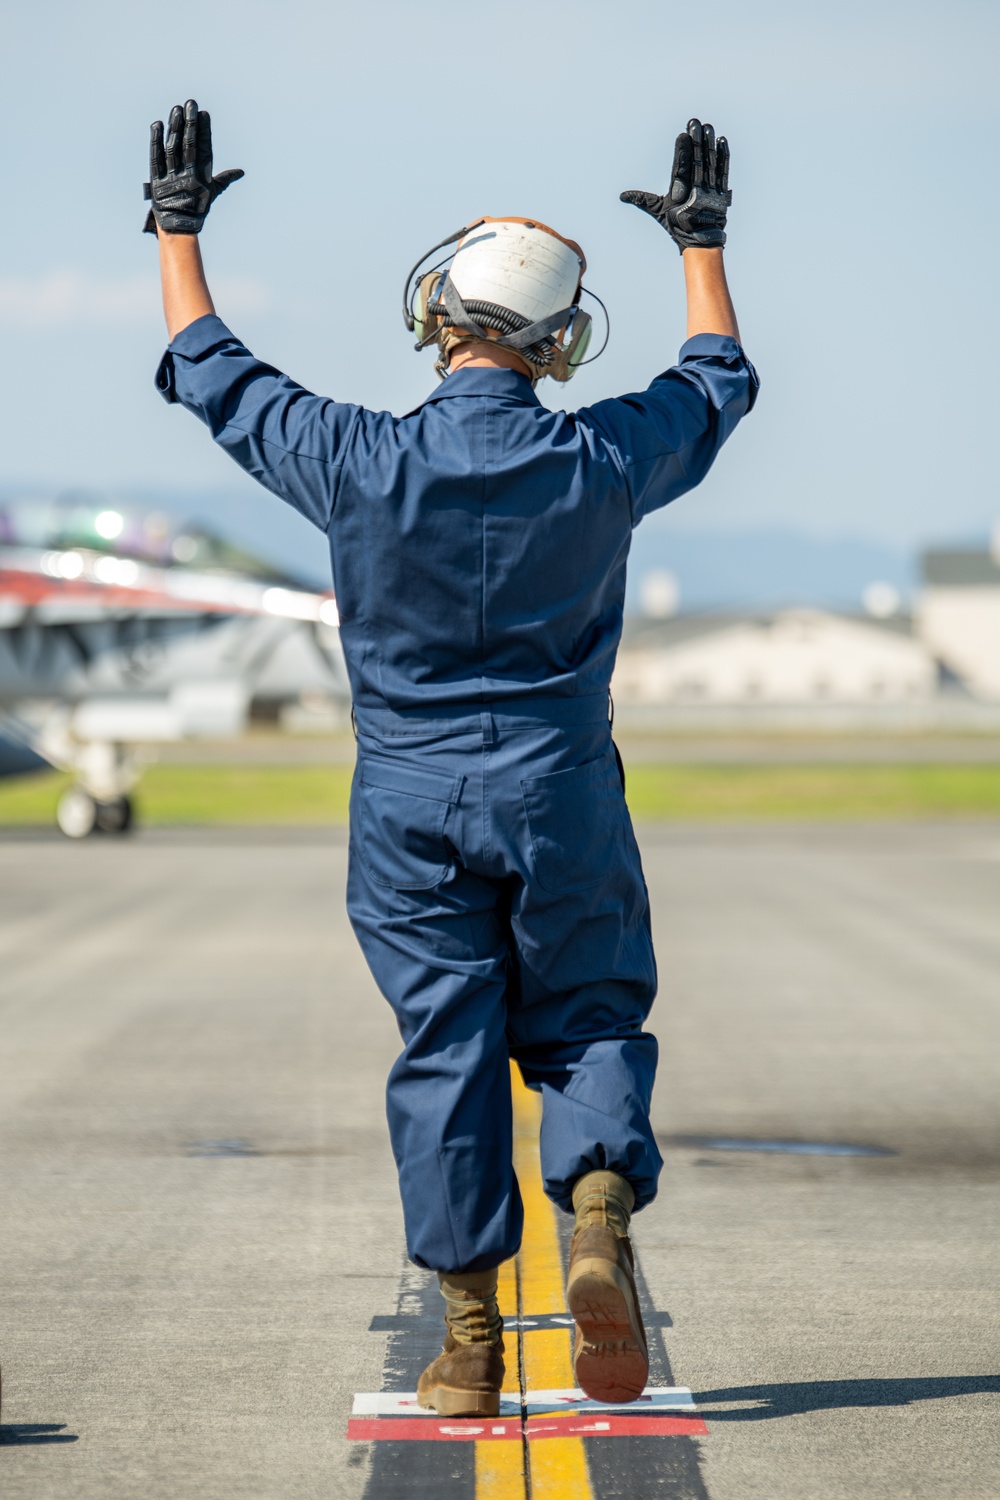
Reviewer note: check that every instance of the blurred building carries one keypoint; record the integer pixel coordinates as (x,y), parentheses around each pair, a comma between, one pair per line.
(958,616)
(796,656)
(659,594)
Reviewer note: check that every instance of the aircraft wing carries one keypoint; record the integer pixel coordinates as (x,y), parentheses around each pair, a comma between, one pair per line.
(100,652)
(80,585)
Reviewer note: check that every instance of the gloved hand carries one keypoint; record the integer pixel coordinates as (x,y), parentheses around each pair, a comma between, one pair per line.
(693,212)
(181,185)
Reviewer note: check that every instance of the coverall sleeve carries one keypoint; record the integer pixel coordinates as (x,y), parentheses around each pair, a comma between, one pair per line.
(290,440)
(666,438)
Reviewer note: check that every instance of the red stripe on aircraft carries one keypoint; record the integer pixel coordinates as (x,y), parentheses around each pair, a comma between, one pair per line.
(31,591)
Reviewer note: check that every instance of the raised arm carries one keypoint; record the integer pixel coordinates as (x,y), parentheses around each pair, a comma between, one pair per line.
(182,189)
(290,440)
(666,438)
(182,280)
(709,305)
(693,212)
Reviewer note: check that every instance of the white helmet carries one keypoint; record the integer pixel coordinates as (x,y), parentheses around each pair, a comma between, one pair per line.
(514,282)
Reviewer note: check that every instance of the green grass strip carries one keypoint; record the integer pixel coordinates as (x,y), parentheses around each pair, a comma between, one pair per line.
(184,794)
(813,791)
(318,795)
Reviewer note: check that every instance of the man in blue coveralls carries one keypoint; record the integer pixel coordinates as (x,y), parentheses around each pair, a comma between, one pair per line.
(479,546)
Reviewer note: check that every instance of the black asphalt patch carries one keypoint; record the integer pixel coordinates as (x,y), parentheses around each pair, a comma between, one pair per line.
(641,1468)
(400,1471)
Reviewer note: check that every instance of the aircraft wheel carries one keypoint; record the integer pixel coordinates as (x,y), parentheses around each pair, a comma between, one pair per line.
(76,813)
(114,816)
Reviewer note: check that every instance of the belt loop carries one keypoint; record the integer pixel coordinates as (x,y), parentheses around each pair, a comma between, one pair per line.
(488,727)
(354,722)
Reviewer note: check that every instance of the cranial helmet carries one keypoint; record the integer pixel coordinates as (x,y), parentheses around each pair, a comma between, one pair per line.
(512,282)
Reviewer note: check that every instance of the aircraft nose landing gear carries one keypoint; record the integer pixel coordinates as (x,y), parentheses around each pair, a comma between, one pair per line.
(114,816)
(98,800)
(78,814)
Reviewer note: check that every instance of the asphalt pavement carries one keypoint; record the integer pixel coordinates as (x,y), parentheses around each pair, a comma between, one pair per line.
(198,1215)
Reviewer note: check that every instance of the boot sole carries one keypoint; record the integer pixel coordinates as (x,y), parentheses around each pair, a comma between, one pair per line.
(449,1402)
(609,1357)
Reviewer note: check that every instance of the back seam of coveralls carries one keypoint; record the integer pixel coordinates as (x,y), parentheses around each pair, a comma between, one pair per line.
(487,741)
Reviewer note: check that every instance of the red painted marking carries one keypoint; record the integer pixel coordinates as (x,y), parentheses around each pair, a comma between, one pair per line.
(484,1429)
(434,1429)
(594,1425)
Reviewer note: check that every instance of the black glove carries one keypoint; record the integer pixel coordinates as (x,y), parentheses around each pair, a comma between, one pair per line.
(181,184)
(694,211)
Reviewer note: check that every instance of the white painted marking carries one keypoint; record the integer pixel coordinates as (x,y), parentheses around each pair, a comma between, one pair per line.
(552,1321)
(653,1398)
(404,1404)
(537,1403)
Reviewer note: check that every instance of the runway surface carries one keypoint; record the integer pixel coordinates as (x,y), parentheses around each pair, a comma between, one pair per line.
(201,1256)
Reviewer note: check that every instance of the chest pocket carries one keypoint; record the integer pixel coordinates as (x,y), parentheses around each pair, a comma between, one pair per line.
(574,824)
(402,812)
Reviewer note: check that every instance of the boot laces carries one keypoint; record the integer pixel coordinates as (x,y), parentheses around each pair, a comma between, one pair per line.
(599,1207)
(472,1319)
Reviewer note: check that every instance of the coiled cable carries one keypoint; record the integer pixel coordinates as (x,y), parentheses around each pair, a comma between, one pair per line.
(491,315)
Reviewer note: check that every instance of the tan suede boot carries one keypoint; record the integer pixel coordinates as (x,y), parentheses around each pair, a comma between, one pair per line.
(466,1378)
(609,1357)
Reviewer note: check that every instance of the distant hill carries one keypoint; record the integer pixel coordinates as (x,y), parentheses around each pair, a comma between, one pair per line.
(764,568)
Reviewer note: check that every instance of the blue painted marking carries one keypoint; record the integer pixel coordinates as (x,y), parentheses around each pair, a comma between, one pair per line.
(221,1148)
(791,1148)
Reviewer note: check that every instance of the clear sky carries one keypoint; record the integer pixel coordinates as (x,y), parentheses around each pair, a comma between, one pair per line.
(862,248)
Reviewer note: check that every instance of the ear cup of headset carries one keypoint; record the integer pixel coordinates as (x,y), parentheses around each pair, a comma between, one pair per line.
(426,324)
(581,331)
(566,357)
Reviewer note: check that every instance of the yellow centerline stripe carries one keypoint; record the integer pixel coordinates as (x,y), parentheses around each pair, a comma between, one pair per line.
(507,1297)
(558,1465)
(500,1466)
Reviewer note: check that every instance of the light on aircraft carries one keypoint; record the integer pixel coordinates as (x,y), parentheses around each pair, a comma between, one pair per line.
(120,570)
(69,564)
(109,524)
(292,606)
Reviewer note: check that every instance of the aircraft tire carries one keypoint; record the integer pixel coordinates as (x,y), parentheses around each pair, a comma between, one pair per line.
(76,813)
(114,816)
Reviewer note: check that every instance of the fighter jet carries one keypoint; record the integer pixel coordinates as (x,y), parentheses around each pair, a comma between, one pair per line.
(102,652)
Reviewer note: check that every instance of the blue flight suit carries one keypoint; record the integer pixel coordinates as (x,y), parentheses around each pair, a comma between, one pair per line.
(479,546)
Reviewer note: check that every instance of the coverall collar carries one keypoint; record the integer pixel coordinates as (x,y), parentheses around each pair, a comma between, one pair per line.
(482,381)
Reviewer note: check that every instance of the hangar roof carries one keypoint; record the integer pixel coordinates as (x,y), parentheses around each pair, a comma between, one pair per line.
(961,568)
